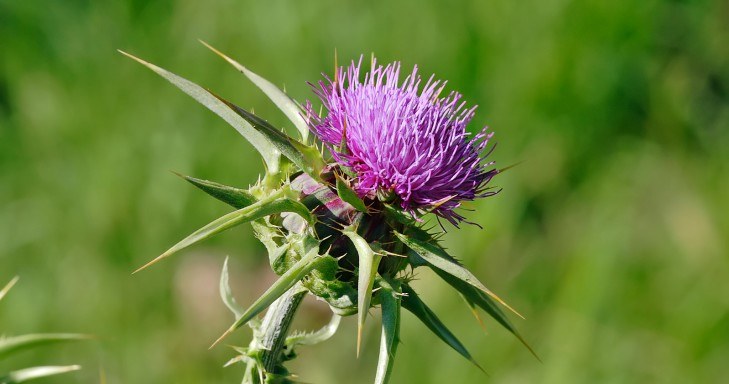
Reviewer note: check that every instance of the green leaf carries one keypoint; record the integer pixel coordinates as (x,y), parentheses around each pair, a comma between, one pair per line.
(292,276)
(412,303)
(262,144)
(485,302)
(438,259)
(348,195)
(24,375)
(368,263)
(255,211)
(323,334)
(235,197)
(399,216)
(8,286)
(474,311)
(305,157)
(390,336)
(277,96)
(9,345)
(226,294)
(268,236)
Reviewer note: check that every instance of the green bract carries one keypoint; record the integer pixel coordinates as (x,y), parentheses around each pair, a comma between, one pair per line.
(322,239)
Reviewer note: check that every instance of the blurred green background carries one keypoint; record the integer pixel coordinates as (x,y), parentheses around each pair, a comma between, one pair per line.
(611,236)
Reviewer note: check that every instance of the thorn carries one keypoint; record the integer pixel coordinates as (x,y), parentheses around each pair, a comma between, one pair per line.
(528,347)
(8,286)
(223,336)
(479,319)
(129,55)
(504,304)
(509,167)
(440,202)
(149,264)
(479,367)
(178,174)
(140,269)
(359,338)
(234,63)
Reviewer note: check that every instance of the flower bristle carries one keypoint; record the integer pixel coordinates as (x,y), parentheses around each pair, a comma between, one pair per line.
(403,139)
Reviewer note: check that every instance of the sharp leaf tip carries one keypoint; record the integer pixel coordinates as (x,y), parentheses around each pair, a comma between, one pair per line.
(223,336)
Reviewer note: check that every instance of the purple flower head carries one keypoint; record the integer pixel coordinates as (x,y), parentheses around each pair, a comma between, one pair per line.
(402,140)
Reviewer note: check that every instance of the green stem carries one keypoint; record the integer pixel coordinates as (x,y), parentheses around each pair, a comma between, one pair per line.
(275,326)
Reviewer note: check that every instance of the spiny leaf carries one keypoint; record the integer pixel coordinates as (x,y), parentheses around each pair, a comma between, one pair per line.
(305,157)
(268,235)
(258,210)
(485,302)
(277,96)
(226,294)
(390,336)
(368,263)
(469,291)
(474,311)
(346,193)
(9,345)
(412,303)
(437,258)
(323,334)
(297,272)
(8,286)
(26,374)
(398,215)
(235,197)
(236,359)
(264,146)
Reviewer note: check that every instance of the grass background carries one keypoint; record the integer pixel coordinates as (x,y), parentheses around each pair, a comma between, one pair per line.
(611,236)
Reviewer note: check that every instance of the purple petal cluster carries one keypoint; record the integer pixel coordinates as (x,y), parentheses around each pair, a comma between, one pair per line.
(402,139)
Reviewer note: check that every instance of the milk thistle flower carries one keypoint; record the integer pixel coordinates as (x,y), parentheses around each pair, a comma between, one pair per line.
(402,142)
(349,229)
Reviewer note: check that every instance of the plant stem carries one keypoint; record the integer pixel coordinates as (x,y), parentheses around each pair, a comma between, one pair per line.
(275,326)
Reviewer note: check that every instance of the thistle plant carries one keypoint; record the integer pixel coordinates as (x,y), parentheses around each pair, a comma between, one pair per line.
(351,227)
(11,345)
